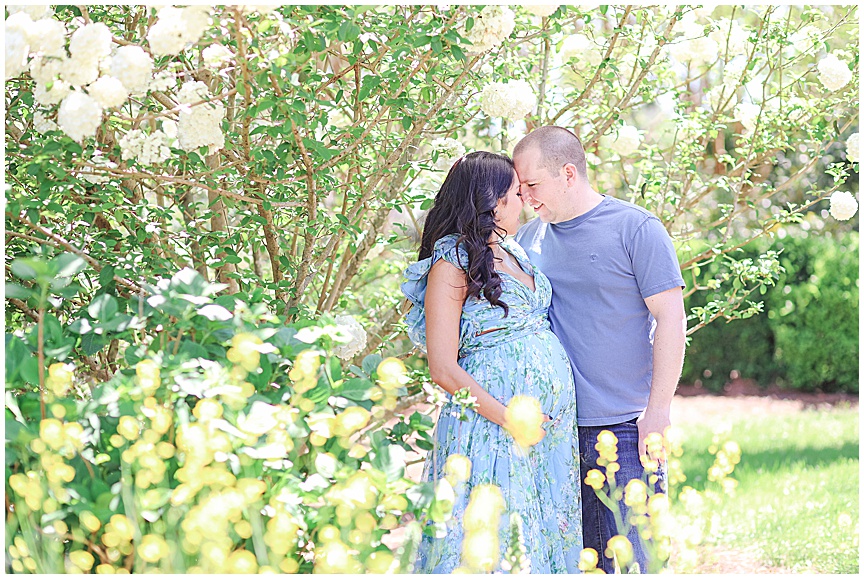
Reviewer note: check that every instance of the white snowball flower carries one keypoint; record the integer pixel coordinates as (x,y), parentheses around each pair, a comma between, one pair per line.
(90,42)
(747,113)
(79,116)
(59,91)
(852,148)
(43,124)
(581,49)
(448,151)
(216,54)
(80,71)
(145,149)
(697,51)
(351,327)
(176,28)
(627,141)
(132,66)
(718,96)
(49,37)
(736,37)
(108,92)
(807,38)
(17,49)
(733,71)
(34,11)
(262,9)
(834,74)
(542,9)
(492,26)
(162,81)
(199,125)
(509,100)
(844,206)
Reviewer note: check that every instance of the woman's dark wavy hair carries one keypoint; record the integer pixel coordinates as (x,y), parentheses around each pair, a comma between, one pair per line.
(465,205)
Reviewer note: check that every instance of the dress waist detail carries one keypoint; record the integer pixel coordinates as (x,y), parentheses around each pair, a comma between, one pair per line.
(494,334)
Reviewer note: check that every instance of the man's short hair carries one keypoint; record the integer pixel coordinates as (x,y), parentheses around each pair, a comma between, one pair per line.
(557,145)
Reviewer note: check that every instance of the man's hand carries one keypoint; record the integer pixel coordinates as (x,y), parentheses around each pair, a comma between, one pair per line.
(651,421)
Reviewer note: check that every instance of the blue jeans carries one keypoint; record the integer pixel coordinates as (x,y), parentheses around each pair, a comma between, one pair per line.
(598,522)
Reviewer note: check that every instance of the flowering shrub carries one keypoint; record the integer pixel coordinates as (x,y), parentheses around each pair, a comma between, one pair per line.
(230,443)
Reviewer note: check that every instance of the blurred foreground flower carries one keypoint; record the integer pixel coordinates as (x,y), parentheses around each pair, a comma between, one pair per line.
(524,420)
(356,337)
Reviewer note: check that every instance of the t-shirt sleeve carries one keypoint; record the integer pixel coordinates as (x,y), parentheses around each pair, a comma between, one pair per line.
(654,260)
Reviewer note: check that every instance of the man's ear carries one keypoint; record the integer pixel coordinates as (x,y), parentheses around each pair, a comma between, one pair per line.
(572,174)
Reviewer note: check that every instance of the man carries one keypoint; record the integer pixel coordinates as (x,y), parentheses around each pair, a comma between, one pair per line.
(617,306)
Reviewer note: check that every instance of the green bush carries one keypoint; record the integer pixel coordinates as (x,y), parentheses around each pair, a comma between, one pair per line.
(807,336)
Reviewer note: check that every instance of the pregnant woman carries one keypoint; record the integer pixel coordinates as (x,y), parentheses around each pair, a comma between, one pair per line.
(480,311)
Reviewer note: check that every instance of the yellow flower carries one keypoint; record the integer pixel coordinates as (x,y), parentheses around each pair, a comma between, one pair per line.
(60,378)
(243,529)
(379,562)
(245,350)
(654,445)
(207,409)
(105,569)
(619,547)
(480,550)
(658,505)
(152,548)
(147,372)
(82,559)
(595,479)
(304,373)
(350,421)
(120,526)
(392,374)
(251,489)
(52,433)
(128,428)
(523,419)
(242,561)
(289,566)
(635,493)
(588,559)
(484,509)
(607,445)
(458,467)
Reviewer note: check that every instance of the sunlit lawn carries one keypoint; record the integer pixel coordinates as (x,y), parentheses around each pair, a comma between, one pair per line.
(796,505)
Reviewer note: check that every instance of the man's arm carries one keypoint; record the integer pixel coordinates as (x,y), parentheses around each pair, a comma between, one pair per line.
(669,338)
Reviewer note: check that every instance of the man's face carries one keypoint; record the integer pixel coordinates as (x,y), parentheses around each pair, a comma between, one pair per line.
(541,188)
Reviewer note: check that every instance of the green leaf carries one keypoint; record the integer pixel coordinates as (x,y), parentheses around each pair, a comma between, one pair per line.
(390,460)
(370,363)
(29,268)
(356,389)
(13,290)
(106,276)
(103,307)
(67,264)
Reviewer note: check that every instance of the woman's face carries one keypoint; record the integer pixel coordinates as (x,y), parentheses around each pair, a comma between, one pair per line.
(509,208)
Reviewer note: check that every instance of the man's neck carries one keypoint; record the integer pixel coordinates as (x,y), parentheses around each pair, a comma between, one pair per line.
(583,201)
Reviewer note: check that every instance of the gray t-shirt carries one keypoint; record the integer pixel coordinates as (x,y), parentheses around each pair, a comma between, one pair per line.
(602,266)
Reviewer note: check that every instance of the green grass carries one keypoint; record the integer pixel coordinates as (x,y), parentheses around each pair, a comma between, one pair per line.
(796,505)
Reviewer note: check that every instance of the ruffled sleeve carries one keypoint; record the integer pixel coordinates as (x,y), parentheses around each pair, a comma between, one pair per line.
(417,276)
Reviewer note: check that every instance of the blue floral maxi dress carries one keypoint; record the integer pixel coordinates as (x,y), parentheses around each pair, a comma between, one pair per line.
(517,354)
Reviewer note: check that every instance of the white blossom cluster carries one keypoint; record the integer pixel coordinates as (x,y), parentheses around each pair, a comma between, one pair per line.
(747,113)
(852,148)
(582,49)
(216,55)
(729,31)
(734,71)
(844,206)
(542,10)
(23,36)
(717,97)
(42,124)
(200,125)
(509,100)
(834,73)
(448,151)
(145,149)
(177,28)
(34,11)
(627,140)
(805,39)
(350,326)
(162,81)
(132,66)
(108,91)
(492,26)
(79,115)
(697,51)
